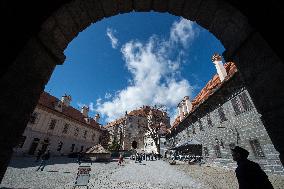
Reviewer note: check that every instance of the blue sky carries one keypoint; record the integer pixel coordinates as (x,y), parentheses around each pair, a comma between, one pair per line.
(124,62)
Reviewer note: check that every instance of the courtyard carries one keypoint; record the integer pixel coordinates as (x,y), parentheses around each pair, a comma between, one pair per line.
(61,172)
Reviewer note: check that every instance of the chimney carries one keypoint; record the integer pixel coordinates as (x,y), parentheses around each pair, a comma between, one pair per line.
(187,104)
(180,112)
(66,99)
(85,111)
(97,118)
(217,60)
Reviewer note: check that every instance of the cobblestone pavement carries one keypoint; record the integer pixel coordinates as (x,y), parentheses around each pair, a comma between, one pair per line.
(146,175)
(217,177)
(61,173)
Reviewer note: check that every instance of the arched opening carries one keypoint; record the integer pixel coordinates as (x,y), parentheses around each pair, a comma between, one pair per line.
(134,144)
(25,78)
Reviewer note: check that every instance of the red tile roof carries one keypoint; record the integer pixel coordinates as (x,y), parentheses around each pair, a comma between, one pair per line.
(210,89)
(143,112)
(50,101)
(116,122)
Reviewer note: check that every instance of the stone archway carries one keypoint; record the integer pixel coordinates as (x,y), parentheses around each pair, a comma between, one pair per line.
(134,144)
(24,79)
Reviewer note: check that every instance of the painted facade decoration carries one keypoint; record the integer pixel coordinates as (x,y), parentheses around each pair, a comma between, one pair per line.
(223,115)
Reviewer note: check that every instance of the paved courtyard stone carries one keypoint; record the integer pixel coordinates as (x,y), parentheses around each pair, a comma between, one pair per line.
(60,173)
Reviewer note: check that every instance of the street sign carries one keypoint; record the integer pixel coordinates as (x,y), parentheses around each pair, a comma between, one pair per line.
(83,176)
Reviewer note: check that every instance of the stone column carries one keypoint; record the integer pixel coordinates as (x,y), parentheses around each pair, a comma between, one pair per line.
(21,87)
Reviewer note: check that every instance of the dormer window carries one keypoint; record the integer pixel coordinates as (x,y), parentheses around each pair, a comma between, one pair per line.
(88,120)
(58,106)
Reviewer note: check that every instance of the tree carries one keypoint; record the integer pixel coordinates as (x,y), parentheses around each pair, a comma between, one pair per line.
(157,125)
(114,146)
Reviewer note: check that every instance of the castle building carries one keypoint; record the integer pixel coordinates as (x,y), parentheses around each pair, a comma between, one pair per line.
(58,127)
(220,117)
(136,130)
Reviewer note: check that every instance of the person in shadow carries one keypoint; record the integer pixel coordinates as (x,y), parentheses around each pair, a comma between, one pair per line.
(40,152)
(44,158)
(249,173)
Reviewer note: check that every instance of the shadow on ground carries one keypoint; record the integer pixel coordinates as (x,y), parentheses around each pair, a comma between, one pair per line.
(16,162)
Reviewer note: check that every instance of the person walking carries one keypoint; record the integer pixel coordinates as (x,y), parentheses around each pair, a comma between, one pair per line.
(120,159)
(80,155)
(249,173)
(44,158)
(39,153)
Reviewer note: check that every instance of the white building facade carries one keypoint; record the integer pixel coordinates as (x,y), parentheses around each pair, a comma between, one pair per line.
(131,131)
(56,126)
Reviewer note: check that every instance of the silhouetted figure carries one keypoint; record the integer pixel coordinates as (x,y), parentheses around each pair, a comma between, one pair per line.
(44,158)
(40,152)
(80,155)
(120,159)
(249,173)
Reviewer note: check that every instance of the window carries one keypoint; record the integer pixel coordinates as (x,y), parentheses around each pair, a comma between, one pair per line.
(65,128)
(52,124)
(85,134)
(222,143)
(21,142)
(236,105)
(241,103)
(256,148)
(193,129)
(206,152)
(222,114)
(200,125)
(60,144)
(33,117)
(76,132)
(217,151)
(209,121)
(245,101)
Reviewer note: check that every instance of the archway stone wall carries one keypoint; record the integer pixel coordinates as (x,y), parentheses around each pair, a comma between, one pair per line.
(26,78)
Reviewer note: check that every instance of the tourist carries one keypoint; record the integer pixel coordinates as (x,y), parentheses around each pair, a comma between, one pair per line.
(40,152)
(120,159)
(249,173)
(44,158)
(152,156)
(80,155)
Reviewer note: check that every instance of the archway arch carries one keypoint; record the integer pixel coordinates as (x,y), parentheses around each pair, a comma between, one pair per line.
(25,79)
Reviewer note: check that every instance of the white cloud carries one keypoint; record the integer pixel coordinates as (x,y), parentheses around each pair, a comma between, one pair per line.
(183,32)
(113,39)
(108,96)
(155,70)
(92,107)
(80,105)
